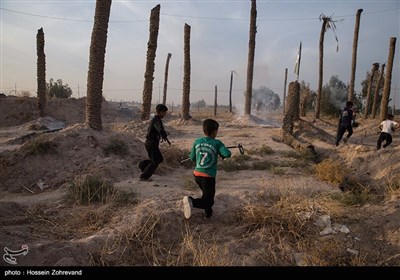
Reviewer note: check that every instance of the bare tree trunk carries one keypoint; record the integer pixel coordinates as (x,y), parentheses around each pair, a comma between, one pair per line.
(354,56)
(186,74)
(284,92)
(151,56)
(215,102)
(250,61)
(41,73)
(375,67)
(292,113)
(377,89)
(166,79)
(230,93)
(321,67)
(304,95)
(96,64)
(388,79)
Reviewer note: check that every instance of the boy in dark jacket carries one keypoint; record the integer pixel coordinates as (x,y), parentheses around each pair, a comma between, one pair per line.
(155,132)
(205,152)
(346,118)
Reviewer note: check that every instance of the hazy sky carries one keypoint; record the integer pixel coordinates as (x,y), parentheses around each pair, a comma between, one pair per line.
(219,44)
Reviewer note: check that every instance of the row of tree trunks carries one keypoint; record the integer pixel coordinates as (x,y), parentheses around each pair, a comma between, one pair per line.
(375,67)
(377,89)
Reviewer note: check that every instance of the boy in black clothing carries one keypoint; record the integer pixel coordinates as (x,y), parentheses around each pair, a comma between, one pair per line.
(346,118)
(155,132)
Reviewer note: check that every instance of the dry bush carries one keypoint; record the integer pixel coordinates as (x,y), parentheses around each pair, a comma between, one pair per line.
(40,146)
(356,193)
(263,150)
(117,147)
(331,171)
(282,216)
(392,187)
(196,251)
(86,189)
(235,163)
(304,154)
(329,251)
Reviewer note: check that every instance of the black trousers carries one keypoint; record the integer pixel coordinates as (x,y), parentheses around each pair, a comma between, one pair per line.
(206,202)
(384,137)
(148,166)
(341,132)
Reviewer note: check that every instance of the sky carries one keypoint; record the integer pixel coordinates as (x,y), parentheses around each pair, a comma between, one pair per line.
(219,42)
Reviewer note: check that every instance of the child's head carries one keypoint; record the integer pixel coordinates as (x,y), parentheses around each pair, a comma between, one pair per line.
(161,110)
(390,117)
(349,104)
(210,127)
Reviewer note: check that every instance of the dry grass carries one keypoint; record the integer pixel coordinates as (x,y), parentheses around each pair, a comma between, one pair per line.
(86,189)
(40,146)
(196,251)
(392,187)
(263,150)
(330,170)
(116,146)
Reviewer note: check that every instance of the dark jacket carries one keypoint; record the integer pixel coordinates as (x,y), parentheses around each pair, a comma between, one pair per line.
(346,117)
(156,130)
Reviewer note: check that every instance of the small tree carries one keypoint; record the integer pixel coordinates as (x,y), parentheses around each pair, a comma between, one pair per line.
(58,90)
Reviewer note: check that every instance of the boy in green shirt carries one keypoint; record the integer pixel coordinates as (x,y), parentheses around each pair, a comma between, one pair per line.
(205,151)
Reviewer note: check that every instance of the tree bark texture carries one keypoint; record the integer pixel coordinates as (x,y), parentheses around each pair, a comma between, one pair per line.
(96,64)
(354,55)
(377,89)
(166,79)
(186,74)
(321,66)
(374,68)
(41,73)
(292,113)
(151,56)
(388,79)
(250,61)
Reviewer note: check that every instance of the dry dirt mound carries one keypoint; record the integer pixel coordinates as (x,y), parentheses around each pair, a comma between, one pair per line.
(20,110)
(51,159)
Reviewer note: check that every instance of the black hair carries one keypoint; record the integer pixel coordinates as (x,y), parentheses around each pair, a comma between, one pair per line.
(390,116)
(349,104)
(209,126)
(161,108)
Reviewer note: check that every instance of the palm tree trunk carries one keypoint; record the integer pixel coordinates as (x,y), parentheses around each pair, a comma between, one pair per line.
(41,73)
(284,92)
(375,67)
(166,79)
(96,64)
(388,79)
(354,56)
(230,93)
(250,61)
(321,66)
(377,89)
(292,112)
(215,102)
(186,74)
(151,56)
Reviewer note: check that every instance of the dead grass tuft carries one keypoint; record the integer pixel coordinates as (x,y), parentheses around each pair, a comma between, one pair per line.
(86,189)
(330,170)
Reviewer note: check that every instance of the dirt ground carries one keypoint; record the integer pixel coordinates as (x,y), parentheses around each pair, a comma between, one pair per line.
(270,207)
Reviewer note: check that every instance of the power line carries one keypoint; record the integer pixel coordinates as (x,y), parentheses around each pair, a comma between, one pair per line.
(189,16)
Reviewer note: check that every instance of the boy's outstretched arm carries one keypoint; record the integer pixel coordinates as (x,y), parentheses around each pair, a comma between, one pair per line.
(224,151)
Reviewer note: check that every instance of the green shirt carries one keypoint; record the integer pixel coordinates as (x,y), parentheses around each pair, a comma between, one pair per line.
(205,152)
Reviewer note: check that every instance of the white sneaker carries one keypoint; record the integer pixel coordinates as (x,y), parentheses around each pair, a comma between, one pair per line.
(187,207)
